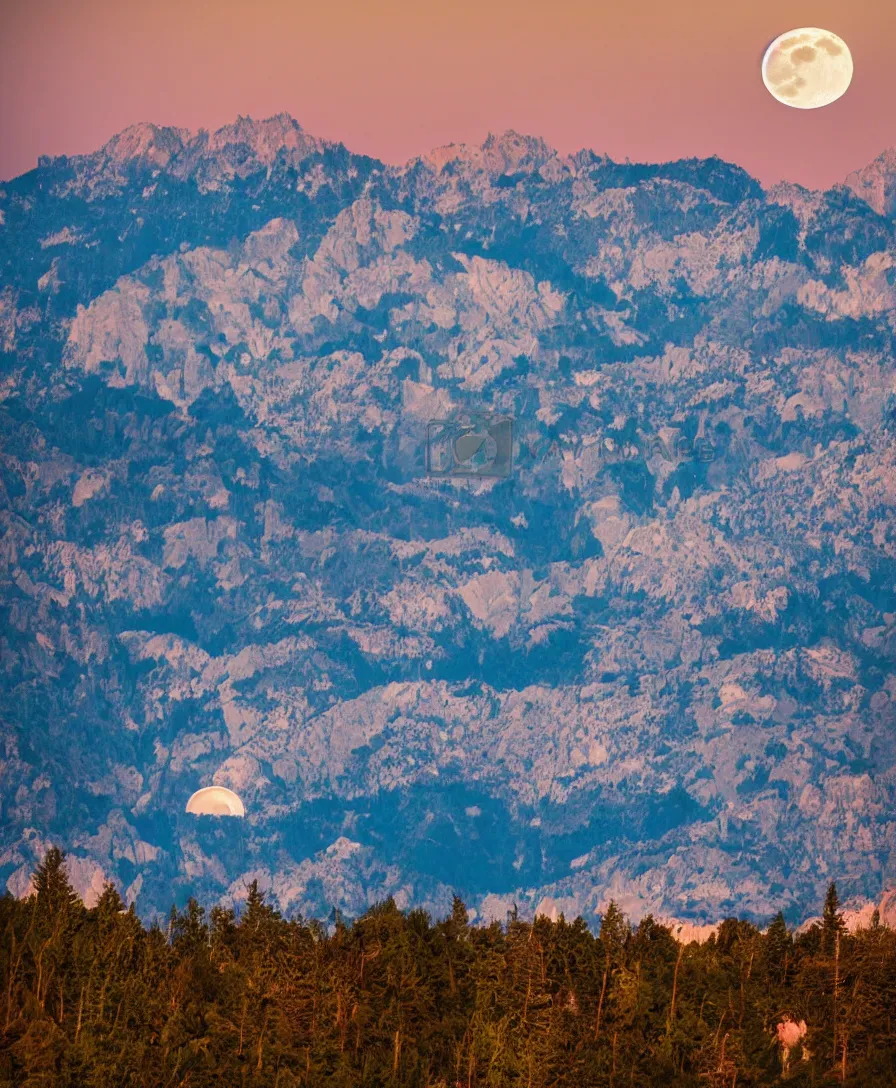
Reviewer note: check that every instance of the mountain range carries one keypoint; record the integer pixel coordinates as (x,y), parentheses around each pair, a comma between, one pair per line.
(656,677)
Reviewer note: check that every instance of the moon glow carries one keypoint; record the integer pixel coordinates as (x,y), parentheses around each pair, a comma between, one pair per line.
(807,68)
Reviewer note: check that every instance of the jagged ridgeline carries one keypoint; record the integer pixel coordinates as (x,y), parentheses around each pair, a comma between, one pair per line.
(92,998)
(656,677)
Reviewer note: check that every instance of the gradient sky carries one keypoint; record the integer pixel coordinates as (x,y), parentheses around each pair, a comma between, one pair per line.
(646,79)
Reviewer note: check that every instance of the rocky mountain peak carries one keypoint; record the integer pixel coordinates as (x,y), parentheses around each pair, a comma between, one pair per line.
(154,144)
(267,138)
(510,151)
(876,182)
(214,159)
(506,153)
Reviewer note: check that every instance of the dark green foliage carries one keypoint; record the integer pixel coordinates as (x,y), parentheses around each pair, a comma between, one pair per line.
(93,999)
(778,949)
(53,893)
(832,921)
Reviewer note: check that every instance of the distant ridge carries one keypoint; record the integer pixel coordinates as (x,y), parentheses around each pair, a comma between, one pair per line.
(182,152)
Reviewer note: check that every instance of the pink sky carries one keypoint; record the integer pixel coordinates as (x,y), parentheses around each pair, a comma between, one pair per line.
(647,79)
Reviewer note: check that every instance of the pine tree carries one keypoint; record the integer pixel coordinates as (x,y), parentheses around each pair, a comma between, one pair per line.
(393,1001)
(257,915)
(57,912)
(222,935)
(459,916)
(188,930)
(53,892)
(110,904)
(832,924)
(614,932)
(778,949)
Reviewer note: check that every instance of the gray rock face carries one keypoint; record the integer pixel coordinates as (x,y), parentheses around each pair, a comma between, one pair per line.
(654,663)
(876,182)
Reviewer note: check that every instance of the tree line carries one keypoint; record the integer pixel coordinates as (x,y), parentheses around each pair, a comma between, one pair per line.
(93,997)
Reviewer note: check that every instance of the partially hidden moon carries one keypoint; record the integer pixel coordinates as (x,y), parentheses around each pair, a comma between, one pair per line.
(215,801)
(807,68)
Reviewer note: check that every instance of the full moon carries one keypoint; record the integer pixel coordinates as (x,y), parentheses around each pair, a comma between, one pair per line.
(807,68)
(215,801)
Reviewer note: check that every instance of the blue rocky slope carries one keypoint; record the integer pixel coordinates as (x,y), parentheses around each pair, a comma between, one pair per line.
(655,662)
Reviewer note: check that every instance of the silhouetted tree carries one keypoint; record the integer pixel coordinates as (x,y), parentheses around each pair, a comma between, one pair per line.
(832,924)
